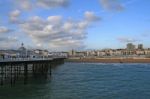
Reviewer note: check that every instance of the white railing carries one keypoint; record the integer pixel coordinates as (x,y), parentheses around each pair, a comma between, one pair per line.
(29,59)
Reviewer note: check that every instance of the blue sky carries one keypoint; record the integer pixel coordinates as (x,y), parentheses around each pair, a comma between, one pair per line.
(74,24)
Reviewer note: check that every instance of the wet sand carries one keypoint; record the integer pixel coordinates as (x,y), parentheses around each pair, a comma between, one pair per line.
(111,60)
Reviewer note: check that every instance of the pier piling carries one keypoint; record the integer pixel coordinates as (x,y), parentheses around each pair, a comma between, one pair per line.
(11,71)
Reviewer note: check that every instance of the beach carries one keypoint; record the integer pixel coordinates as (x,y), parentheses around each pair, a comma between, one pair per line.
(109,60)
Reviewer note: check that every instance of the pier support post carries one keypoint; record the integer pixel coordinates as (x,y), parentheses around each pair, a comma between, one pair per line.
(2,75)
(5,72)
(50,71)
(11,74)
(25,73)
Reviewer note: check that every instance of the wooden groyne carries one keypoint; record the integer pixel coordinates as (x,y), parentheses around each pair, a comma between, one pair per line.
(12,71)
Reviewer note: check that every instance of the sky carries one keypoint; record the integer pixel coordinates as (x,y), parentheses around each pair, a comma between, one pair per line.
(60,25)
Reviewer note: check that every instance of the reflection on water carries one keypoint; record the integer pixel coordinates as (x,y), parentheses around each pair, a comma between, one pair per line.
(86,81)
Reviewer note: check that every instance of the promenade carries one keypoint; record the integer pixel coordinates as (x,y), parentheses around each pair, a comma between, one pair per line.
(111,60)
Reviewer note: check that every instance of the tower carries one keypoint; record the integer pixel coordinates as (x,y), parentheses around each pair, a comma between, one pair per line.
(22,44)
(130,46)
(140,46)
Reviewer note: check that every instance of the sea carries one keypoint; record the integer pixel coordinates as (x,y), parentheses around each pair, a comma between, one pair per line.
(87,81)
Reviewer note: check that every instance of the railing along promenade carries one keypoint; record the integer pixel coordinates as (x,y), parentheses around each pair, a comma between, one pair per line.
(24,69)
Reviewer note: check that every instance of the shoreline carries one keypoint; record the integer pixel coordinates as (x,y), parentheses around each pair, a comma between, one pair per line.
(110,60)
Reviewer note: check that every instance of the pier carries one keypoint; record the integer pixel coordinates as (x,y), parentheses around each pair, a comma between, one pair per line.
(12,71)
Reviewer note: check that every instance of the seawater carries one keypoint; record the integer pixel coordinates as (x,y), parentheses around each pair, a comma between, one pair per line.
(87,81)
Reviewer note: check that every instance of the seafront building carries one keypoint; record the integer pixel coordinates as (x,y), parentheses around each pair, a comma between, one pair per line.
(129,52)
(140,46)
(22,52)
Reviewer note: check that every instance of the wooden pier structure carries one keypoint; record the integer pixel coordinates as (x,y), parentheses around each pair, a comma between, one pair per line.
(13,70)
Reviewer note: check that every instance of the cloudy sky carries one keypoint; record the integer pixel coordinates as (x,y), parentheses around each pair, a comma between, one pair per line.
(74,24)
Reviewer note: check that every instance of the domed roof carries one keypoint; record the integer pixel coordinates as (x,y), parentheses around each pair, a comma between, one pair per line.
(22,48)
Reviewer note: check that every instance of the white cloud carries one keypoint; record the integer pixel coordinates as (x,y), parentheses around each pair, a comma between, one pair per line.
(127,40)
(32,4)
(54,19)
(90,16)
(8,39)
(56,33)
(24,4)
(14,16)
(4,29)
(111,5)
(8,42)
(5,40)
(52,3)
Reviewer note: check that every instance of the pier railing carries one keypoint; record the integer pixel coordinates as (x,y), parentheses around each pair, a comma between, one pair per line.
(30,59)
